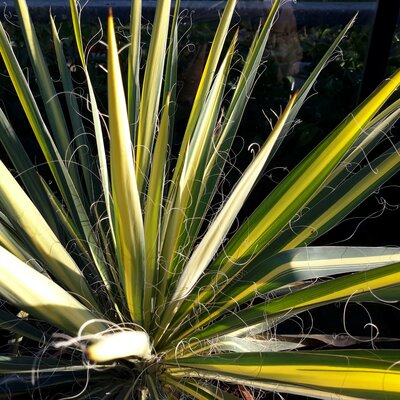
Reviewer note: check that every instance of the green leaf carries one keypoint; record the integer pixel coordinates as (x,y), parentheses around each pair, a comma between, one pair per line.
(13,385)
(367,375)
(26,171)
(205,83)
(26,364)
(266,274)
(292,194)
(174,239)
(50,151)
(23,328)
(151,91)
(222,223)
(310,297)
(48,93)
(95,114)
(198,390)
(41,297)
(171,70)
(35,231)
(152,217)
(133,83)
(374,133)
(224,135)
(198,104)
(47,145)
(339,203)
(9,240)
(274,387)
(126,201)
(78,129)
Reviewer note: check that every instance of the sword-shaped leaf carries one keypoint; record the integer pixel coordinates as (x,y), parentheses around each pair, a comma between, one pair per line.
(352,373)
(219,228)
(36,232)
(95,114)
(133,83)
(51,153)
(48,93)
(151,91)
(129,232)
(171,71)
(79,135)
(41,297)
(152,218)
(266,274)
(340,202)
(173,239)
(17,325)
(199,390)
(26,170)
(292,194)
(307,298)
(198,103)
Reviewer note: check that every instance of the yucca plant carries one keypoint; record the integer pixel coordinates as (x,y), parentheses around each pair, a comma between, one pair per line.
(120,279)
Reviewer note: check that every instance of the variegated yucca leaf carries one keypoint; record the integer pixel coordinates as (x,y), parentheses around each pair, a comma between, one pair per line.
(350,374)
(120,280)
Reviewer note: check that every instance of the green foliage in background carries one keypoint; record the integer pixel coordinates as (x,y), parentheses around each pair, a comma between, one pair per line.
(117,278)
